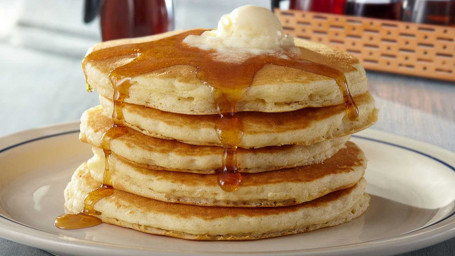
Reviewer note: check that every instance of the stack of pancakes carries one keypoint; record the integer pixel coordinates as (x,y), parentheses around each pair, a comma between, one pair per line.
(299,171)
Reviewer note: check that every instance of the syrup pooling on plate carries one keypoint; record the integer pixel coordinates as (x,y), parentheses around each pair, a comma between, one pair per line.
(229,82)
(86,218)
(76,221)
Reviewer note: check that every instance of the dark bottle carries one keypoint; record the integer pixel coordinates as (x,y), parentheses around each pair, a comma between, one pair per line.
(437,12)
(325,6)
(381,9)
(133,18)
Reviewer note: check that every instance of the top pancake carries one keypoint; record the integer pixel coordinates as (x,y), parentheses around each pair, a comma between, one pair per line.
(274,88)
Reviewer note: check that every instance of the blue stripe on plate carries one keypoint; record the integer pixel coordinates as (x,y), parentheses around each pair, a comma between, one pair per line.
(36,139)
(409,149)
(26,142)
(420,153)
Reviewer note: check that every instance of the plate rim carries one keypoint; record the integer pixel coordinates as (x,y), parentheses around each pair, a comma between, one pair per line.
(440,231)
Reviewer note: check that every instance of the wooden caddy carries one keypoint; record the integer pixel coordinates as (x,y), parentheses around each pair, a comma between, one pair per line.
(384,45)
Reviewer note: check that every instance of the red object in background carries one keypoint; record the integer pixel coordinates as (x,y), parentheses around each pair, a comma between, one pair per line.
(134,18)
(326,6)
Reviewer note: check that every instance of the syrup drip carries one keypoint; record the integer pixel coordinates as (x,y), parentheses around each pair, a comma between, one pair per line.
(94,196)
(230,133)
(85,218)
(229,130)
(229,178)
(114,132)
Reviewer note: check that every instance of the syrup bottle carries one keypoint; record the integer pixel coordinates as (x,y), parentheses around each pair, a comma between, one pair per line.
(130,18)
(380,9)
(437,12)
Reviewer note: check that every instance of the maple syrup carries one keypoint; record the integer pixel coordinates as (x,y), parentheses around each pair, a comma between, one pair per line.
(230,133)
(114,132)
(229,177)
(94,196)
(85,219)
(76,221)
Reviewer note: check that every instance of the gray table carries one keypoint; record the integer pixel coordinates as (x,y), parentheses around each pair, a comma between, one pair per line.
(41,84)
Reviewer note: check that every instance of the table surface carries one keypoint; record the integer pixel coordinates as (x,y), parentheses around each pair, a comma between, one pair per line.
(42,83)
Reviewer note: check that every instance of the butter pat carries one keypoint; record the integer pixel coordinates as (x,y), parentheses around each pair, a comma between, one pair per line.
(249,29)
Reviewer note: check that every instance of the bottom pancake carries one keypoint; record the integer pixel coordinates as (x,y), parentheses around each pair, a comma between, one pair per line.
(215,223)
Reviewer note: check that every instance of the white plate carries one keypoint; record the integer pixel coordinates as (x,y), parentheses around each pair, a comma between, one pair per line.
(412,186)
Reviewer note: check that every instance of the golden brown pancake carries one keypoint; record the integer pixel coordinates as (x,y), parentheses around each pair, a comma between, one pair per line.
(274,88)
(269,189)
(215,223)
(306,126)
(172,155)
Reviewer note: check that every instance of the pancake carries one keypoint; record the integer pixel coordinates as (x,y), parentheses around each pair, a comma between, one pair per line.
(268,189)
(306,126)
(274,88)
(171,155)
(215,223)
